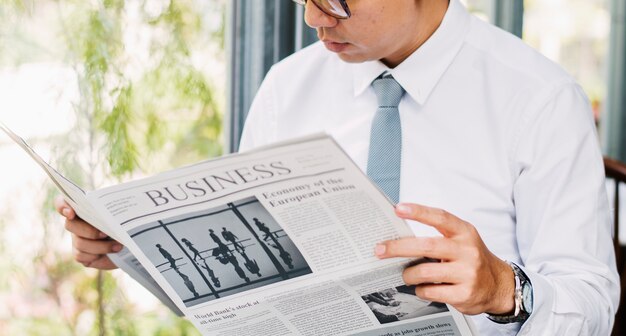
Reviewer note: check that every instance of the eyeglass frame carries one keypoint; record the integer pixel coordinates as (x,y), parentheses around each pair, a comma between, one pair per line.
(343,3)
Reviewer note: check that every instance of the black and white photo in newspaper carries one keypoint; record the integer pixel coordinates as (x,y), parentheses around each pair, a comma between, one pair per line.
(221,251)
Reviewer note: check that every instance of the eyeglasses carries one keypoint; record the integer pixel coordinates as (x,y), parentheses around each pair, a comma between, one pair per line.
(335,8)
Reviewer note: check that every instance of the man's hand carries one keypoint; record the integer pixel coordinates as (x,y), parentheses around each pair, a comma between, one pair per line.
(90,244)
(469,277)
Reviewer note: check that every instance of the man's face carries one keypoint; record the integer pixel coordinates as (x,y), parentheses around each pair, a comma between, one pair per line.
(386,30)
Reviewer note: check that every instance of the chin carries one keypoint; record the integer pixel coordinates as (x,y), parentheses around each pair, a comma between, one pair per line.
(351,58)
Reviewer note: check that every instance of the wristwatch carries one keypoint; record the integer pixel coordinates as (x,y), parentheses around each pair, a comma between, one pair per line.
(523,299)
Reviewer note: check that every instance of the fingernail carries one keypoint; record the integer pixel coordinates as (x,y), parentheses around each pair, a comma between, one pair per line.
(117,247)
(403,209)
(102,235)
(380,249)
(66,212)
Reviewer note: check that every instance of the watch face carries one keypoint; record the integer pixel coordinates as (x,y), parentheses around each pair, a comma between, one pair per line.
(527,297)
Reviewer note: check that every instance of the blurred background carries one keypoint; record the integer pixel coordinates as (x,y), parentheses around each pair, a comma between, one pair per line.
(113,90)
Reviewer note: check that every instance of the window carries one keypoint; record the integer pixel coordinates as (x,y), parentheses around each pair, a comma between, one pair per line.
(481,8)
(76,77)
(574,34)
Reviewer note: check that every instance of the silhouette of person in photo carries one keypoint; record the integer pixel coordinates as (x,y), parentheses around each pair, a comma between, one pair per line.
(251,265)
(284,255)
(221,246)
(167,256)
(214,279)
(231,237)
(233,261)
(191,248)
(224,255)
(263,228)
(188,283)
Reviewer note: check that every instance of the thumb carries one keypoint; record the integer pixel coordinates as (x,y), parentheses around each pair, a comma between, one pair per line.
(63,208)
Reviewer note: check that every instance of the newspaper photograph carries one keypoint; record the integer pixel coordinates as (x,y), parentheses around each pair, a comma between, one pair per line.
(275,241)
(203,260)
(400,303)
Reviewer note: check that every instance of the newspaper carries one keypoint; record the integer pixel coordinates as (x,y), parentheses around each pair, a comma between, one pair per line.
(275,241)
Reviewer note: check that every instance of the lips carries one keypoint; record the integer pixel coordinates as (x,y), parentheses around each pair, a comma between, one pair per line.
(336,47)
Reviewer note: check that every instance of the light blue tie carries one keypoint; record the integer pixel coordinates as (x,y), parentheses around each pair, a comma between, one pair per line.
(385,154)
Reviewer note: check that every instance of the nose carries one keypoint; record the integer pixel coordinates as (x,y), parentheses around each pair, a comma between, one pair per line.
(316,18)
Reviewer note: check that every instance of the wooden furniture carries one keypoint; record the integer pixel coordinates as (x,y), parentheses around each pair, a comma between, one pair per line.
(616,171)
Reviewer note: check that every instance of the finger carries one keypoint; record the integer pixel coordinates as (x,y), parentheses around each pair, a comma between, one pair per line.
(102,262)
(431,273)
(59,203)
(82,229)
(458,296)
(443,221)
(85,258)
(63,208)
(445,293)
(414,247)
(95,246)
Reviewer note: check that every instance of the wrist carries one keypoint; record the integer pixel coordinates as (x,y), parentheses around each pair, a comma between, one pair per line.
(504,303)
(523,299)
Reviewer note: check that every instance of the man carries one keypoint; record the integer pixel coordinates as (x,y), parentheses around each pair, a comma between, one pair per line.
(192,248)
(232,238)
(218,241)
(491,131)
(263,228)
(167,256)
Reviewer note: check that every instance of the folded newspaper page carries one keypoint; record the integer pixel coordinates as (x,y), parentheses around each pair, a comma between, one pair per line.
(276,241)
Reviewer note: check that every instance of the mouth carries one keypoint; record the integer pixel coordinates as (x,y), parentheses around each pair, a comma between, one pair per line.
(336,47)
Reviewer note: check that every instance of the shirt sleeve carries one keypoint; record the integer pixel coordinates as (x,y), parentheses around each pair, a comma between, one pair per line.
(563,218)
(260,126)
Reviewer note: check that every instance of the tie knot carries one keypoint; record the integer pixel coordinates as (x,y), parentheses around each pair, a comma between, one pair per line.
(388,91)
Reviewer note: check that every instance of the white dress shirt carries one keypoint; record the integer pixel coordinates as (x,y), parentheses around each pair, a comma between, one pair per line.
(494,133)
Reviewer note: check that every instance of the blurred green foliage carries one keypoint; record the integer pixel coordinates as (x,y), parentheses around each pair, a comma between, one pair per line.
(145,104)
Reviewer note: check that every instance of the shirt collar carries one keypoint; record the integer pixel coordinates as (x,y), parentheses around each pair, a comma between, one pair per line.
(421,71)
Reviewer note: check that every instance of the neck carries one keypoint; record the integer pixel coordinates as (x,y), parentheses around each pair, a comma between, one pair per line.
(431,14)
